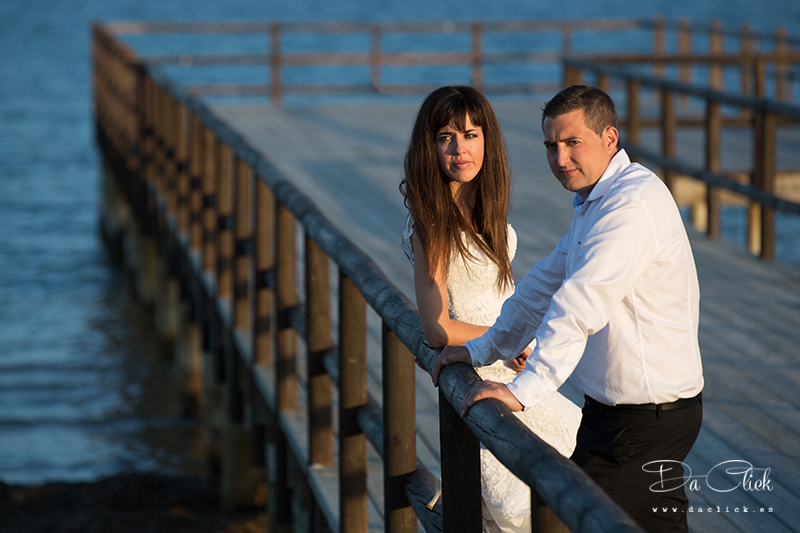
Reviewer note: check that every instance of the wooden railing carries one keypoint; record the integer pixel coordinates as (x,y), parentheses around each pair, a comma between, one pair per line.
(533,48)
(471,46)
(760,116)
(760,59)
(212,233)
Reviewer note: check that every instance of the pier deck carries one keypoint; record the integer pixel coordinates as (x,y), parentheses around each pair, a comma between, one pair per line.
(348,159)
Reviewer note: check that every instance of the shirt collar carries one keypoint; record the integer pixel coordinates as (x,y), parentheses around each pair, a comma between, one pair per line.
(615,166)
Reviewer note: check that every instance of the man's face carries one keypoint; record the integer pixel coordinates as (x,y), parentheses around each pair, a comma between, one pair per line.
(577,155)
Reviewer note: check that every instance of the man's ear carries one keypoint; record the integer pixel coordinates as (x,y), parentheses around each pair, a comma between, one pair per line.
(611,138)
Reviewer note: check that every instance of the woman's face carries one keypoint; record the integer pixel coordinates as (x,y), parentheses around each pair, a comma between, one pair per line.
(460,153)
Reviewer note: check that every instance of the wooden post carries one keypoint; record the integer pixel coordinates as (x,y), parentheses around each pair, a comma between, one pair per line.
(352,397)
(275,63)
(399,433)
(167,298)
(189,355)
(280,494)
(633,112)
(768,185)
(764,178)
(154,177)
(761,77)
(684,49)
(189,359)
(375,57)
(167,149)
(543,519)
(172,140)
(754,227)
(286,292)
(210,376)
(318,320)
(716,48)
(225,226)
(147,243)
(144,246)
(155,111)
(477,59)
(746,49)
(264,264)
(461,472)
(210,198)
(184,167)
(602,82)
(658,44)
(243,199)
(713,126)
(668,128)
(285,274)
(754,208)
(783,94)
(196,182)
(241,481)
(572,75)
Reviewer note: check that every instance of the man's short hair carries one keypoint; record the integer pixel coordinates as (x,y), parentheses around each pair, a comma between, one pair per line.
(598,108)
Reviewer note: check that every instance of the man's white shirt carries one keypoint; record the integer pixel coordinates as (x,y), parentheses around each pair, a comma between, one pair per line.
(615,305)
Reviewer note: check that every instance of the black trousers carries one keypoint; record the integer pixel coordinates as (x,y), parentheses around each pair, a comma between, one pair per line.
(613,444)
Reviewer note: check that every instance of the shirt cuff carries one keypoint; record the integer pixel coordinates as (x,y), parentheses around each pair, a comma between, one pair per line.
(528,388)
(476,347)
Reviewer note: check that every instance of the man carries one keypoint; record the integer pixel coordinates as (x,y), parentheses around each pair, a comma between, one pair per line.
(615,306)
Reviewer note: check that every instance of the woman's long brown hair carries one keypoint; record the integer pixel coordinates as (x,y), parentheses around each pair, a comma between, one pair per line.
(438,221)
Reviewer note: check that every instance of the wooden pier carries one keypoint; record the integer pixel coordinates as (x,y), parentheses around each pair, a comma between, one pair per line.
(748,307)
(236,215)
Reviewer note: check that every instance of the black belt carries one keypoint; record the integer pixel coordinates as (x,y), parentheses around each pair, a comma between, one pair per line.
(682,403)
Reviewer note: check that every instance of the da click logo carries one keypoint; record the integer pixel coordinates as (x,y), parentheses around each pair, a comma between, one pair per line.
(724,477)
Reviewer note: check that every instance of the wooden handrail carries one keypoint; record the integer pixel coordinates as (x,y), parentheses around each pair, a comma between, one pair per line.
(232,27)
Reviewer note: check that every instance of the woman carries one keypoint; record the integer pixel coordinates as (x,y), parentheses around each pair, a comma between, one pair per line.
(456,188)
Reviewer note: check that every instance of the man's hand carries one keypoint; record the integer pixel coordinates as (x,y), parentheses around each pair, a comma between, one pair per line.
(489,389)
(518,363)
(450,355)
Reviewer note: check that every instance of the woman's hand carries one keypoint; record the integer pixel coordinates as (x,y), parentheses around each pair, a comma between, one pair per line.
(450,355)
(518,363)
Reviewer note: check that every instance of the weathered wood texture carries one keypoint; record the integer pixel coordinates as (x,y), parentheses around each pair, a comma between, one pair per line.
(348,159)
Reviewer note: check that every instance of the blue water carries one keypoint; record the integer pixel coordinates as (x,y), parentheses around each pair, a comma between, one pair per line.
(84,391)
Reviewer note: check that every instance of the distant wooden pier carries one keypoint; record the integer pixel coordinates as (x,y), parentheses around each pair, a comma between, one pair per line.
(266,238)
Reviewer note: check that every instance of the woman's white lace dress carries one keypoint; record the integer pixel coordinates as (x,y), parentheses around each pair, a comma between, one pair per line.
(474,298)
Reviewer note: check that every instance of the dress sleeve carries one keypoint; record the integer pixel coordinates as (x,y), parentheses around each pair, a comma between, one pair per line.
(405,242)
(512,243)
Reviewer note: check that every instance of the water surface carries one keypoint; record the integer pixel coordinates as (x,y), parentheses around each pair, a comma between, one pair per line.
(84,388)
